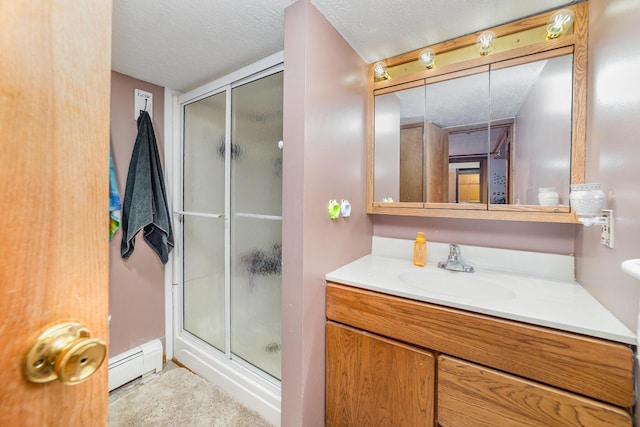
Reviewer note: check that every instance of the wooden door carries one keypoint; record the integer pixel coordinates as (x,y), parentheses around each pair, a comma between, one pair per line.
(54,136)
(437,161)
(411,164)
(468,186)
(374,381)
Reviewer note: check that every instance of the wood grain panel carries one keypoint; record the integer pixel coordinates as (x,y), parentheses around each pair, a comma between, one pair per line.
(457,206)
(531,49)
(530,208)
(437,161)
(469,188)
(55,83)
(411,164)
(593,367)
(372,381)
(396,88)
(474,396)
(370,142)
(471,211)
(579,124)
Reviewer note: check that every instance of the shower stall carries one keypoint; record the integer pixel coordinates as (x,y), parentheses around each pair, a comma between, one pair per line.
(227,309)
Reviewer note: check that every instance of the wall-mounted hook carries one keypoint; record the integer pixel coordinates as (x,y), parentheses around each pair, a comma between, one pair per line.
(143,101)
(333,209)
(345,208)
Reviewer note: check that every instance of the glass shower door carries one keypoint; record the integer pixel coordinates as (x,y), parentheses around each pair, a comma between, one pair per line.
(203,225)
(256,222)
(232,224)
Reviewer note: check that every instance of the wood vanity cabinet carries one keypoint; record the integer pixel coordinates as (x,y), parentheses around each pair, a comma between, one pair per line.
(396,361)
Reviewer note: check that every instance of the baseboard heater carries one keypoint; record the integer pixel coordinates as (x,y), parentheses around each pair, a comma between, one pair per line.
(134,363)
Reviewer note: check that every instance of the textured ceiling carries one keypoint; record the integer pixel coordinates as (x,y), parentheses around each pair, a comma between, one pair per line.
(183,44)
(378,29)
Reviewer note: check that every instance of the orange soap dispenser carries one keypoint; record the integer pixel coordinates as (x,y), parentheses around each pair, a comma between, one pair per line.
(420,250)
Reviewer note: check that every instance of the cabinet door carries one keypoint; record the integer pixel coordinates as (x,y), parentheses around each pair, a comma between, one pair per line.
(472,395)
(373,381)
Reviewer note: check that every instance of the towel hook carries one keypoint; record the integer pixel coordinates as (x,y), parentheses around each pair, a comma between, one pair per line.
(145,104)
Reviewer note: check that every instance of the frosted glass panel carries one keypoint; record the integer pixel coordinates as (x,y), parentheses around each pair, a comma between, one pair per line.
(204,279)
(256,169)
(256,292)
(204,130)
(203,193)
(256,227)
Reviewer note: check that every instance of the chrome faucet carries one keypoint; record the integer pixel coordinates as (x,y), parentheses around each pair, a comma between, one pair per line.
(454,261)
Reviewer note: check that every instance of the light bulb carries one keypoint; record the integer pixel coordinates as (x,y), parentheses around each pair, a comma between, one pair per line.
(380,70)
(428,58)
(559,23)
(484,42)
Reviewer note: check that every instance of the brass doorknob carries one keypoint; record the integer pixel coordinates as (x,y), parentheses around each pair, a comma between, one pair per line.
(65,352)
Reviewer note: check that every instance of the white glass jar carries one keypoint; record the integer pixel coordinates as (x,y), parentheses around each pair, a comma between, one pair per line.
(586,199)
(548,196)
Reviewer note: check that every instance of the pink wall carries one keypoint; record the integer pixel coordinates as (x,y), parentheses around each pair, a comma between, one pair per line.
(324,158)
(536,237)
(613,152)
(136,286)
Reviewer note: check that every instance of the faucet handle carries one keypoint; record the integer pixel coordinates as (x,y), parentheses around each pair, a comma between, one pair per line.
(454,261)
(454,250)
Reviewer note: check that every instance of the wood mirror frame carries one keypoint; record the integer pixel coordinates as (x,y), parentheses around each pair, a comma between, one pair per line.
(410,76)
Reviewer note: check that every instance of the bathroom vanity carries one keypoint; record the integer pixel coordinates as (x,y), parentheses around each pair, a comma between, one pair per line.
(411,346)
(492,348)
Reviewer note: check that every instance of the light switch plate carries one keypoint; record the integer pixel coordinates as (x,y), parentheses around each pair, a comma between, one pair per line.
(607,229)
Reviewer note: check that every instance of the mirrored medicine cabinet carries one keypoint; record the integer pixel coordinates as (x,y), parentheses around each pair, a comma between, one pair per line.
(481,135)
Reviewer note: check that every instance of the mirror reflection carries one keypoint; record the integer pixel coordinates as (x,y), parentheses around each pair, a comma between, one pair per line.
(458,111)
(488,137)
(537,98)
(399,145)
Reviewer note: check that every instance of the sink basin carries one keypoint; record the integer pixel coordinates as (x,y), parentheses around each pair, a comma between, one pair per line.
(632,267)
(449,284)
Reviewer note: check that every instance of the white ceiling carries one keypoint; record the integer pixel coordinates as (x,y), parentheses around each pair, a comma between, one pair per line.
(183,44)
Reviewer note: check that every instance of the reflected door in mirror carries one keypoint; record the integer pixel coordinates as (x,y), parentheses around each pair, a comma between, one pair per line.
(411,167)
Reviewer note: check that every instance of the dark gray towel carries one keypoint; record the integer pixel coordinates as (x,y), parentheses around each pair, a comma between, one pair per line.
(145,200)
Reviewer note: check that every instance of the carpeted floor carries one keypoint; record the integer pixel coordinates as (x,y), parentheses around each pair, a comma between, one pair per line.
(177,397)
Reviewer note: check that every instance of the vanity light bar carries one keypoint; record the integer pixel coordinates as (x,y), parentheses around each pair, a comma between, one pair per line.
(527,32)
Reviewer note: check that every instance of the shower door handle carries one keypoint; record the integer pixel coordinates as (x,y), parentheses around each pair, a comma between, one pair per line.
(204,215)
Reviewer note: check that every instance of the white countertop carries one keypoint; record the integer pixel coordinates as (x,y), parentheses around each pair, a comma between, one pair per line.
(557,303)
